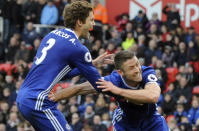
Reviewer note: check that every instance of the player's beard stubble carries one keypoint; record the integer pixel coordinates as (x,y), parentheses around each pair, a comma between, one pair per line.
(85,34)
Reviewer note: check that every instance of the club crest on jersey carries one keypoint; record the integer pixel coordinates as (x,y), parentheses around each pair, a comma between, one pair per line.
(152,78)
(68,127)
(88,57)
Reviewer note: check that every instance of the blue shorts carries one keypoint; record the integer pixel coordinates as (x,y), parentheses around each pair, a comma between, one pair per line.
(154,123)
(44,120)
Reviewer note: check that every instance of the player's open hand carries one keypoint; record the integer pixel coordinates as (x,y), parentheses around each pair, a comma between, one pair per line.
(108,86)
(104,59)
(51,96)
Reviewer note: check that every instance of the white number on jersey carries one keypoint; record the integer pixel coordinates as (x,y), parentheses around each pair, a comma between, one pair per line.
(51,42)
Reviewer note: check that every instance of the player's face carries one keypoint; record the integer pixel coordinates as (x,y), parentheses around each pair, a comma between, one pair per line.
(89,23)
(132,70)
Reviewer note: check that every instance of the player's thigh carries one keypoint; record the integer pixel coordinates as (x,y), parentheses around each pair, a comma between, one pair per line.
(156,123)
(50,120)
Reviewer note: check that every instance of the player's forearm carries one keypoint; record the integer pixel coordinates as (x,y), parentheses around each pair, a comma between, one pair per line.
(85,88)
(81,89)
(139,96)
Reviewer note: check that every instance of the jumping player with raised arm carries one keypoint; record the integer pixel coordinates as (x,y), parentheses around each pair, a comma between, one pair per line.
(137,89)
(60,55)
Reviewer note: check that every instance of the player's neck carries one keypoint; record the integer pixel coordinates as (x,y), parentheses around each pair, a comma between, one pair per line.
(77,33)
(131,83)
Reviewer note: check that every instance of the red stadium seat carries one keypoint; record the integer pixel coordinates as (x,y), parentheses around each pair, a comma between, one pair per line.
(195,90)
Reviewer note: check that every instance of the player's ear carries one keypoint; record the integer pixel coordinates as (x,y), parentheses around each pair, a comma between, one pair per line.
(120,72)
(79,23)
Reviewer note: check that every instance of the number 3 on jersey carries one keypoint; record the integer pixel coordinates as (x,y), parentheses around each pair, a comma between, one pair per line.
(50,42)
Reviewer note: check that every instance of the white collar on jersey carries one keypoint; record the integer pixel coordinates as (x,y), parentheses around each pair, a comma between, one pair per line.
(137,87)
(70,30)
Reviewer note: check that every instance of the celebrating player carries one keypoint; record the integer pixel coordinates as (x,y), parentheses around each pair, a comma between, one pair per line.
(137,92)
(60,55)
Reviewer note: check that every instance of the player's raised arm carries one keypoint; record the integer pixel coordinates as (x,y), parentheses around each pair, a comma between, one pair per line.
(150,94)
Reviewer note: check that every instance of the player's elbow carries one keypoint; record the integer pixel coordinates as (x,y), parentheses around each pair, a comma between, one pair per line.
(154,98)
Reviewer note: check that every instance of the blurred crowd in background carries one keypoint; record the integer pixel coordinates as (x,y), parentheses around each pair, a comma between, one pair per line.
(173,51)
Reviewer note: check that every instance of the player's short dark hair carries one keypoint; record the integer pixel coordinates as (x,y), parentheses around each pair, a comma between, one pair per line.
(78,10)
(122,57)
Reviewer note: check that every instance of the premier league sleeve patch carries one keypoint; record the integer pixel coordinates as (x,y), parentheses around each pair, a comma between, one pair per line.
(152,78)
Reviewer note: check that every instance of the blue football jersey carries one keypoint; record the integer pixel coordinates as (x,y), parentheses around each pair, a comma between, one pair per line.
(126,111)
(60,55)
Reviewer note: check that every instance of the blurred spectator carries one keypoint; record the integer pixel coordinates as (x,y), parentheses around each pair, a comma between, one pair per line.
(9,82)
(191,34)
(173,124)
(4,112)
(128,28)
(13,47)
(88,115)
(173,17)
(13,95)
(184,101)
(184,89)
(164,33)
(23,53)
(2,127)
(106,35)
(49,16)
(191,76)
(29,34)
(185,125)
(153,20)
(6,13)
(115,37)
(40,6)
(60,4)
(100,106)
(12,123)
(100,17)
(111,48)
(95,48)
(140,20)
(152,51)
(30,11)
(168,56)
(49,13)
(128,42)
(6,94)
(106,120)
(76,124)
(17,22)
(153,31)
(192,51)
(181,55)
(179,113)
(97,124)
(112,107)
(122,20)
(180,32)
(88,102)
(193,113)
(168,104)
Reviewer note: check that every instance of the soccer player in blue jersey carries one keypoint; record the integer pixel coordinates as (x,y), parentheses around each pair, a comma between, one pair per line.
(60,55)
(136,91)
